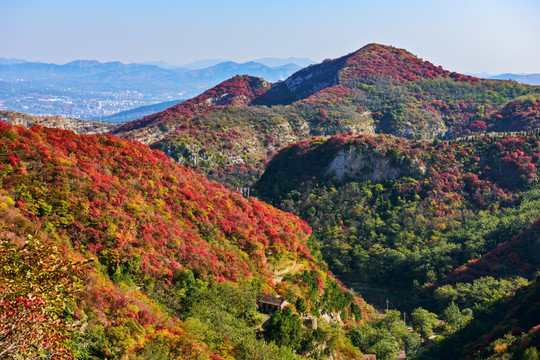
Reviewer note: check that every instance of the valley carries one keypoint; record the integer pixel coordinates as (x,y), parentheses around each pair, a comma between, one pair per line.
(375,176)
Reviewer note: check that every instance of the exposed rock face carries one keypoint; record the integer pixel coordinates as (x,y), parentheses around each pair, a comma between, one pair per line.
(421,125)
(353,163)
(303,83)
(75,125)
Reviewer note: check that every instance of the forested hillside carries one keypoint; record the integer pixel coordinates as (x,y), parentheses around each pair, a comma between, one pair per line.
(394,211)
(170,265)
(451,227)
(509,329)
(410,182)
(76,125)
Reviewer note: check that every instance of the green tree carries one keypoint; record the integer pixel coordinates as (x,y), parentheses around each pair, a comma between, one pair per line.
(530,354)
(284,328)
(423,322)
(386,349)
(455,317)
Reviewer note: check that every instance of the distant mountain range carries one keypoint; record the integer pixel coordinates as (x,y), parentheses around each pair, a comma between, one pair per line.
(89,89)
(269,61)
(4,61)
(274,62)
(93,75)
(529,79)
(201,64)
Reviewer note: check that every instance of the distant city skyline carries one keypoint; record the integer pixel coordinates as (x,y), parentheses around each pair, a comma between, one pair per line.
(475,36)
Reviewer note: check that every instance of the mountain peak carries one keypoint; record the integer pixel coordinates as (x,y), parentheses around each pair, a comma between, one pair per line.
(83,63)
(236,91)
(375,60)
(371,63)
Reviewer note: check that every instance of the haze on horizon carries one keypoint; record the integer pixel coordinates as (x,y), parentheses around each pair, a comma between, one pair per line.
(472,36)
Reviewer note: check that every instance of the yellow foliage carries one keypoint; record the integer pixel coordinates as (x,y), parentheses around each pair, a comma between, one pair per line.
(499,349)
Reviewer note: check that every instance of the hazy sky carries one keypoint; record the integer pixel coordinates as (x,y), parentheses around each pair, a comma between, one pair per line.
(492,36)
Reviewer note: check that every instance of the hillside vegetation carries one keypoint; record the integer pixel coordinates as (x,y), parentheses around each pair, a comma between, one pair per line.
(76,125)
(509,329)
(450,227)
(178,261)
(394,211)
(418,185)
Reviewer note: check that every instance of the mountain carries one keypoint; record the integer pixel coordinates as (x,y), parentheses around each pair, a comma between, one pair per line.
(236,91)
(179,262)
(447,226)
(368,64)
(165,65)
(277,62)
(209,76)
(75,125)
(377,89)
(4,61)
(531,79)
(137,113)
(110,75)
(89,89)
(201,64)
(409,175)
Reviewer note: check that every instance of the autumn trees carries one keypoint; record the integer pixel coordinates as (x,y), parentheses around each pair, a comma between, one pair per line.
(37,295)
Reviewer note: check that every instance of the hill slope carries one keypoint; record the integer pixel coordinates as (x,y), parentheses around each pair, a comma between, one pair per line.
(370,62)
(509,329)
(239,90)
(137,113)
(395,212)
(179,261)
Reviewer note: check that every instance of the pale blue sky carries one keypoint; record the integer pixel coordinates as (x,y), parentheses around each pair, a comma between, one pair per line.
(462,35)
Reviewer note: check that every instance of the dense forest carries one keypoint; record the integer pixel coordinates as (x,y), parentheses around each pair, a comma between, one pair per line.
(450,225)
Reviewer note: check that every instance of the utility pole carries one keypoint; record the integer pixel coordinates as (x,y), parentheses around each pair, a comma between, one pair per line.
(387,304)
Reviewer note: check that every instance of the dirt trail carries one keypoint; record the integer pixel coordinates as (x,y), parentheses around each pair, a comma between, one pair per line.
(295,267)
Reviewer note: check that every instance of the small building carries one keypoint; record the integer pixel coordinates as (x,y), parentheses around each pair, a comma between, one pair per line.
(310,322)
(270,304)
(402,355)
(370,357)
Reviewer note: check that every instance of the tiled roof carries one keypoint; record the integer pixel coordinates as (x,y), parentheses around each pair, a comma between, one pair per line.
(266,299)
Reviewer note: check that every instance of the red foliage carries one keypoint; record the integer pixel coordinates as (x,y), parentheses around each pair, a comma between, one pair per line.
(396,64)
(522,114)
(129,202)
(516,256)
(236,91)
